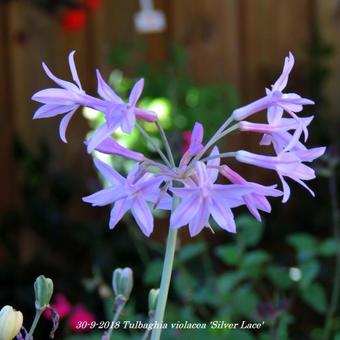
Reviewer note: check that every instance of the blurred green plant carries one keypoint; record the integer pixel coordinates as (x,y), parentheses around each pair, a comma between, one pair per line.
(240,281)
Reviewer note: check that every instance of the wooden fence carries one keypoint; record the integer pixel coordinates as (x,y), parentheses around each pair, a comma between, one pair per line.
(242,42)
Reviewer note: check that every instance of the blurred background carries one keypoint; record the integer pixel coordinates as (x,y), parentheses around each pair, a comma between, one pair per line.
(200,60)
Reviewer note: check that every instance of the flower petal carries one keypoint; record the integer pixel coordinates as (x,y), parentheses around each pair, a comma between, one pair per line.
(185,211)
(142,214)
(215,162)
(102,132)
(62,83)
(56,96)
(222,215)
(118,211)
(64,124)
(146,115)
(73,68)
(111,147)
(200,219)
(108,172)
(106,196)
(105,91)
(136,92)
(49,110)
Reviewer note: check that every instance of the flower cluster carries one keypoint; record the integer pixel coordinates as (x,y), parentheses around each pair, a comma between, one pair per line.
(189,188)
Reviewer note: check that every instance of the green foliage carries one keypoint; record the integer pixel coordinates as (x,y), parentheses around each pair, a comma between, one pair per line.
(315,296)
(249,231)
(230,254)
(191,251)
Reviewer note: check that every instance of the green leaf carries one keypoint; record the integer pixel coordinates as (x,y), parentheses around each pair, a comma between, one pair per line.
(191,251)
(309,272)
(249,230)
(279,276)
(153,272)
(185,284)
(328,247)
(315,296)
(245,300)
(282,330)
(230,254)
(228,281)
(305,244)
(254,262)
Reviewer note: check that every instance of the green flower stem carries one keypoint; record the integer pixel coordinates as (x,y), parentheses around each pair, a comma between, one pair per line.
(213,139)
(166,143)
(166,277)
(119,310)
(37,316)
(220,155)
(224,133)
(154,145)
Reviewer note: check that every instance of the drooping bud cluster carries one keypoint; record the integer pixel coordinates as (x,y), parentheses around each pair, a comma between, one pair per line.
(193,180)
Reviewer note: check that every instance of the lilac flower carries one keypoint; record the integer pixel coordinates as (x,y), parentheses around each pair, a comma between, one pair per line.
(111,147)
(60,101)
(255,200)
(195,144)
(286,164)
(131,193)
(202,198)
(274,130)
(118,113)
(275,100)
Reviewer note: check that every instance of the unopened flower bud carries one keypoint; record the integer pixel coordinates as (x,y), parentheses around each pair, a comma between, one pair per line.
(10,322)
(153,298)
(122,282)
(43,289)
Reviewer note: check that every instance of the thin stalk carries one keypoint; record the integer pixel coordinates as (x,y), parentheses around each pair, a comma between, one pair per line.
(226,132)
(212,139)
(166,143)
(165,280)
(220,155)
(37,316)
(154,145)
(119,310)
(336,225)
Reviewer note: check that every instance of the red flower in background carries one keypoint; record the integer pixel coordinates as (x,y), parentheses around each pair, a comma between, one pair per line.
(61,305)
(74,19)
(187,138)
(93,4)
(80,314)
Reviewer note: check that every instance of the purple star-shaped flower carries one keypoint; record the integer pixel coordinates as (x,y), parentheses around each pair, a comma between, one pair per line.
(118,113)
(255,200)
(131,193)
(275,100)
(274,130)
(286,164)
(202,198)
(64,100)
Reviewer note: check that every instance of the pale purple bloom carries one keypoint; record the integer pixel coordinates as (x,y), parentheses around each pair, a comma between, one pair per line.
(255,200)
(275,100)
(64,100)
(117,113)
(195,145)
(202,198)
(111,147)
(286,164)
(274,130)
(131,193)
